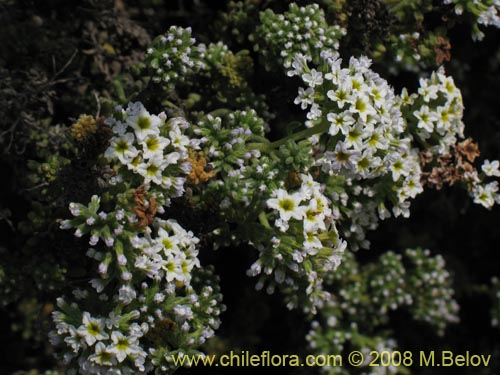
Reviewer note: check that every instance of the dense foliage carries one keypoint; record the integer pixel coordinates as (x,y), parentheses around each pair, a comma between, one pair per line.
(197,177)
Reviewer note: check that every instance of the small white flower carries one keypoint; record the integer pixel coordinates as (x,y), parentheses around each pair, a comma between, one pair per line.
(92,329)
(153,146)
(152,170)
(173,268)
(179,140)
(363,107)
(312,243)
(309,187)
(183,313)
(305,97)
(126,294)
(486,195)
(491,168)
(314,217)
(340,121)
(313,78)
(102,356)
(287,204)
(74,208)
(425,118)
(122,346)
(113,320)
(123,148)
(342,157)
(143,123)
(341,95)
(427,91)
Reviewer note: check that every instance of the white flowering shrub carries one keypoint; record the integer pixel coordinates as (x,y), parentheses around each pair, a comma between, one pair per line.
(154,301)
(363,294)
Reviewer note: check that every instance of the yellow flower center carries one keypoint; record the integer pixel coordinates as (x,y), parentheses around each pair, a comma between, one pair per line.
(287,204)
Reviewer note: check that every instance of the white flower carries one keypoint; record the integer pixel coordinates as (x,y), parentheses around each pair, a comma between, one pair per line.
(354,139)
(309,187)
(173,268)
(491,168)
(313,78)
(425,118)
(287,204)
(305,97)
(92,329)
(427,91)
(179,140)
(74,340)
(363,108)
(311,244)
(183,313)
(397,168)
(314,217)
(340,121)
(126,294)
(122,346)
(142,122)
(186,266)
(152,170)
(169,243)
(102,356)
(298,64)
(153,146)
(113,320)
(97,284)
(341,95)
(281,224)
(122,147)
(486,195)
(342,157)
(74,208)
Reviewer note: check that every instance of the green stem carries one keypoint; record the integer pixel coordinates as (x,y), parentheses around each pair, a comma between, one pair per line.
(258,138)
(263,220)
(220,112)
(169,104)
(120,92)
(395,6)
(303,134)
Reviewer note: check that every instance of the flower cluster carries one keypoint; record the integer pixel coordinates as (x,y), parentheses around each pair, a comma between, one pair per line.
(136,331)
(433,301)
(304,246)
(233,68)
(150,147)
(356,314)
(434,114)
(148,283)
(304,30)
(173,56)
(485,193)
(483,12)
(434,119)
(148,299)
(243,171)
(83,127)
(364,125)
(358,127)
